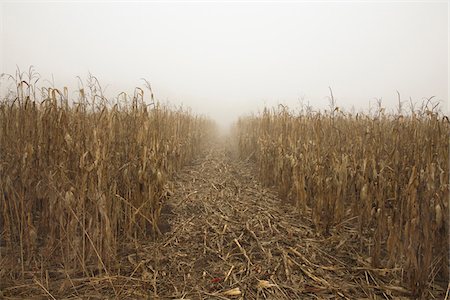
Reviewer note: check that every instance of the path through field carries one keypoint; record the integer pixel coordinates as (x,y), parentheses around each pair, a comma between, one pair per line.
(227,237)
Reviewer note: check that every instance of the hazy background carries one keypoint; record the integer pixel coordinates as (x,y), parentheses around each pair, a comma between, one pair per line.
(228,59)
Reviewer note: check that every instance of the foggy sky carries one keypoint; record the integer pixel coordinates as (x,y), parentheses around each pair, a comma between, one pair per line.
(229,59)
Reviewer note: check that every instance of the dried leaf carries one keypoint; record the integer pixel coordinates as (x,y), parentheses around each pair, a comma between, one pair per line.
(264,284)
(232,292)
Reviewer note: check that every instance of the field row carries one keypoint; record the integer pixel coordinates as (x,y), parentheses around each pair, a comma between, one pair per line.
(385,176)
(78,180)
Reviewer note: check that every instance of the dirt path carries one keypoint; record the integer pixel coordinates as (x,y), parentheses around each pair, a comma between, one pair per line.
(231,238)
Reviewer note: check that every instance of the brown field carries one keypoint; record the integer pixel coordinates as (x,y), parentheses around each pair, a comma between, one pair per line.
(386,178)
(121,199)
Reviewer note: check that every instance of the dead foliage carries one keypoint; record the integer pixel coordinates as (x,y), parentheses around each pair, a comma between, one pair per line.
(385,176)
(231,238)
(80,178)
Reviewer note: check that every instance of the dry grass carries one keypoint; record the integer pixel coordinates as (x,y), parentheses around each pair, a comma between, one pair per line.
(77,180)
(385,175)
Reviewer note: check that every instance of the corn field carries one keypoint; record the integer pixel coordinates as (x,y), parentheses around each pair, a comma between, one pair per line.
(386,176)
(130,199)
(79,179)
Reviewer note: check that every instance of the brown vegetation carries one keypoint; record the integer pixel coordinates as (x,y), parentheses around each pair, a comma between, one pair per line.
(78,180)
(94,204)
(385,175)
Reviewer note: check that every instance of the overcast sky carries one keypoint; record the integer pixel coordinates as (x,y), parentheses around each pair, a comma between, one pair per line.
(228,59)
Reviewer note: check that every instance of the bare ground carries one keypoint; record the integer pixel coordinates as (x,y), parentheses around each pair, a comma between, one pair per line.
(228,237)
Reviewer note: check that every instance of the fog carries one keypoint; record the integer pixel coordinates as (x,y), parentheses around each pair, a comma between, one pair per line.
(230,59)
